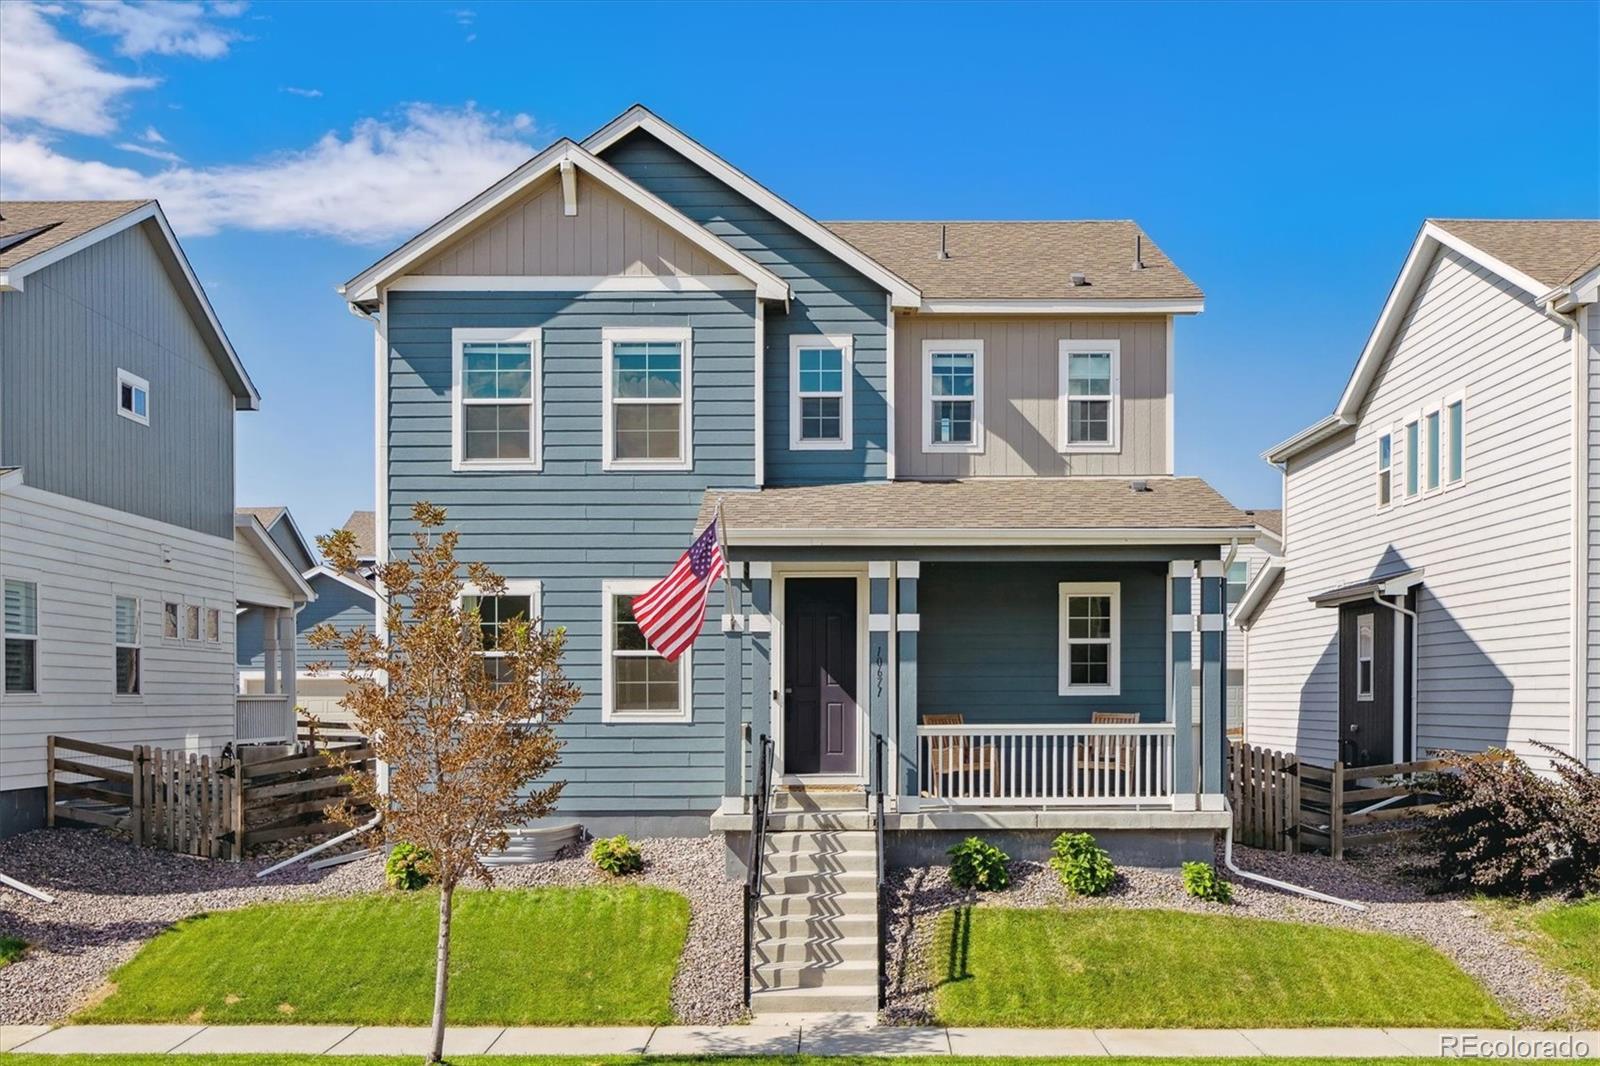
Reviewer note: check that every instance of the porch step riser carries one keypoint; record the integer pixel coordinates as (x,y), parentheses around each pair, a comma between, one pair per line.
(819,801)
(838,976)
(852,821)
(813,1001)
(820,842)
(801,864)
(817,951)
(820,884)
(825,929)
(818,906)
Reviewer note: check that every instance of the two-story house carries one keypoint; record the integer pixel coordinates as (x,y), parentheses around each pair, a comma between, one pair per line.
(943,455)
(1438,583)
(120,555)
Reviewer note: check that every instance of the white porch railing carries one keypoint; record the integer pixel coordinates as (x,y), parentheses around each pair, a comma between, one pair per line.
(263,719)
(1046,765)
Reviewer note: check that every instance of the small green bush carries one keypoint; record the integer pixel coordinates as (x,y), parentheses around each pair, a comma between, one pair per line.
(1083,865)
(979,865)
(408,868)
(617,856)
(1200,880)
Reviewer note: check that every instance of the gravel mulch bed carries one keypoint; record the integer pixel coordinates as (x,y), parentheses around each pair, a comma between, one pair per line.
(1529,991)
(112,897)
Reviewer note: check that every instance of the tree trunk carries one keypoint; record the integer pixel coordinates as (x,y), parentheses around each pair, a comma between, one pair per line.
(441,977)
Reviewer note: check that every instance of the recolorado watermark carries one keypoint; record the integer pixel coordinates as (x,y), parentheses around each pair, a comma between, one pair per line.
(1515,1046)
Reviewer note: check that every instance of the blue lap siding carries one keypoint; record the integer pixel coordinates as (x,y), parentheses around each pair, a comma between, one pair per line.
(336,603)
(828,297)
(572,525)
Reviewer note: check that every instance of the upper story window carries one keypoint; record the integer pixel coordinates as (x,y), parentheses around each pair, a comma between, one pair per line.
(1455,413)
(1385,469)
(820,372)
(1413,456)
(647,418)
(638,684)
(133,397)
(498,407)
(1435,448)
(1430,434)
(126,620)
(1238,580)
(21,619)
(1091,638)
(519,602)
(952,390)
(1091,395)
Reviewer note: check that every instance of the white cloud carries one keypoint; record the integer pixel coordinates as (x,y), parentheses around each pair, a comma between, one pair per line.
(295,90)
(154,153)
(384,180)
(151,135)
(165,27)
(47,79)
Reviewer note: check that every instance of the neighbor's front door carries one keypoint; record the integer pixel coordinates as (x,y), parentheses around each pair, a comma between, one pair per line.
(820,717)
(1366,684)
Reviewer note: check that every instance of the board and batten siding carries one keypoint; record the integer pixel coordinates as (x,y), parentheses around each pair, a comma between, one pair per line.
(607,237)
(1021,390)
(337,604)
(1494,661)
(829,297)
(81,556)
(62,340)
(573,524)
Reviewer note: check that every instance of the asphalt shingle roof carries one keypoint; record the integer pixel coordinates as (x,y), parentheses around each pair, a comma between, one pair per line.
(1551,251)
(57,222)
(364,524)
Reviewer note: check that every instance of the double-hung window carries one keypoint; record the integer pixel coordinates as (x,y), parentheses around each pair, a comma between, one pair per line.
(519,602)
(1455,419)
(1385,469)
(820,369)
(1365,635)
(648,398)
(1091,395)
(638,684)
(498,411)
(133,397)
(952,388)
(126,621)
(1091,637)
(21,636)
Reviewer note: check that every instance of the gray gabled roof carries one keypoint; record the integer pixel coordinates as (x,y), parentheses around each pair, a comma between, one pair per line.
(33,227)
(1552,251)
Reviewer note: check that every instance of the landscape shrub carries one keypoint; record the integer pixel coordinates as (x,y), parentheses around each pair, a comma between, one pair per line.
(1083,866)
(408,867)
(1200,880)
(617,856)
(1503,829)
(980,865)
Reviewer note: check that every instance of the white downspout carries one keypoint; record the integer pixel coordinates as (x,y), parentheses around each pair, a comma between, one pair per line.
(1411,653)
(1284,886)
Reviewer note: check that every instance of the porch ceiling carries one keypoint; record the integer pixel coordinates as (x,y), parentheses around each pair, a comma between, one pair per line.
(989,510)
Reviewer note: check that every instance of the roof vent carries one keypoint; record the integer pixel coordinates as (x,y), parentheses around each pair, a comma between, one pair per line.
(1079,280)
(944,250)
(1140,486)
(1138,251)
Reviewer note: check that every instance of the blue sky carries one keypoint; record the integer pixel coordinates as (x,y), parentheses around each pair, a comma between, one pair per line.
(1284,156)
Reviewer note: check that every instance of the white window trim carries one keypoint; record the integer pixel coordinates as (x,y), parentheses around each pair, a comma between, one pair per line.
(177,634)
(6,634)
(1411,466)
(1378,471)
(1068,348)
(138,644)
(1371,623)
(952,347)
(205,621)
(461,337)
(610,588)
(1065,590)
(846,344)
(531,587)
(127,377)
(1451,398)
(1432,444)
(609,337)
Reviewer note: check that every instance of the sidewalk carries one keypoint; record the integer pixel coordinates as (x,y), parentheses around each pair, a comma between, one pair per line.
(820,1036)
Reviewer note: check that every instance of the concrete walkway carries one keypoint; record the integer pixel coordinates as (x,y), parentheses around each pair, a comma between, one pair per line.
(816,1036)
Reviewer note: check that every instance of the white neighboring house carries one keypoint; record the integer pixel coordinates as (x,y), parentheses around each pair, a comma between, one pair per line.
(1246,564)
(119,560)
(1440,586)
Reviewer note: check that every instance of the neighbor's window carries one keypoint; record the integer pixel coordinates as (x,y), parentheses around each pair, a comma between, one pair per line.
(1091,384)
(1413,447)
(133,397)
(495,613)
(1090,628)
(1238,579)
(22,636)
(647,399)
(1364,644)
(213,625)
(1431,422)
(191,628)
(128,681)
(953,390)
(639,684)
(1385,469)
(498,390)
(819,392)
(170,626)
(1455,425)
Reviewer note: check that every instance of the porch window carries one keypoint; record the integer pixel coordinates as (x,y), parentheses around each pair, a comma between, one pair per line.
(1364,642)
(22,636)
(647,399)
(1456,428)
(126,625)
(1091,638)
(820,369)
(1385,469)
(495,613)
(1091,395)
(952,388)
(498,399)
(638,684)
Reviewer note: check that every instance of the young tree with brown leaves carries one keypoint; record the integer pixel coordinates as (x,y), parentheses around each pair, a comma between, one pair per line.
(461,735)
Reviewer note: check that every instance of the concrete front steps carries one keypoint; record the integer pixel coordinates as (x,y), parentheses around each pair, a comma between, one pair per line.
(815,949)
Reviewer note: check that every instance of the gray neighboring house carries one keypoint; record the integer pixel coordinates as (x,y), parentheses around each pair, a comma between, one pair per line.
(120,555)
(1440,582)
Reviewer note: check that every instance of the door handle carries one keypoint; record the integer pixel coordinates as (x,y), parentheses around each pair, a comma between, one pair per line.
(1355,727)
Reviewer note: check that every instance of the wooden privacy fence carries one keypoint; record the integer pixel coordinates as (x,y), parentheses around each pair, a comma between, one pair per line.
(1282,803)
(195,804)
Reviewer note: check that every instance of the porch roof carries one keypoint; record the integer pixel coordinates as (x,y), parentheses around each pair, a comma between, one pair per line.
(987,510)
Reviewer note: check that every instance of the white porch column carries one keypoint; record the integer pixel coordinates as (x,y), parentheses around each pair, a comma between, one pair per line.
(1181,691)
(269,650)
(287,667)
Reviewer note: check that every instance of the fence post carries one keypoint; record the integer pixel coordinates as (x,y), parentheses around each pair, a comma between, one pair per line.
(1292,840)
(136,797)
(238,808)
(1336,812)
(50,781)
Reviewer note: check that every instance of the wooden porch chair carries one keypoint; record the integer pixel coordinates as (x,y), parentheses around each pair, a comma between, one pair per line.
(1109,761)
(957,754)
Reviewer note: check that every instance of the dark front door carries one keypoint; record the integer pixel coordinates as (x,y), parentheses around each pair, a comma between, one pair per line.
(1366,684)
(819,669)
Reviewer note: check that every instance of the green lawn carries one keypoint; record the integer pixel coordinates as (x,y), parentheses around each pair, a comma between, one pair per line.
(584,956)
(1120,968)
(1573,930)
(11,949)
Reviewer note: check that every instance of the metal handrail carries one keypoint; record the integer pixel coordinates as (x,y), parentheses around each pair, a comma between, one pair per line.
(760,804)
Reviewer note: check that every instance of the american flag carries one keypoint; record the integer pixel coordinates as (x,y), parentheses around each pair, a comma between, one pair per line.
(670,613)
